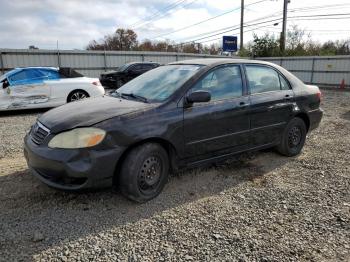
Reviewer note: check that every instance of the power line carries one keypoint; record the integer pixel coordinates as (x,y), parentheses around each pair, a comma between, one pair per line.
(268,16)
(308,8)
(206,20)
(232,29)
(324,18)
(167,8)
(155,18)
(321,16)
(225,28)
(264,26)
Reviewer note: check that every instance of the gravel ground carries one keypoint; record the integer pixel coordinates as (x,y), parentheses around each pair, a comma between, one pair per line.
(257,207)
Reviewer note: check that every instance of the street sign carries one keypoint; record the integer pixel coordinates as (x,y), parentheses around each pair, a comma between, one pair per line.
(229,43)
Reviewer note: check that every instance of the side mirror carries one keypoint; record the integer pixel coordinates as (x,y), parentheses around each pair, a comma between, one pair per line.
(198,97)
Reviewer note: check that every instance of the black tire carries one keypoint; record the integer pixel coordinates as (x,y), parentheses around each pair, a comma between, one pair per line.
(144,172)
(293,138)
(77,95)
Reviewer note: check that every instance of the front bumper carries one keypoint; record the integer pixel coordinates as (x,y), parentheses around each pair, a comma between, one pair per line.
(71,169)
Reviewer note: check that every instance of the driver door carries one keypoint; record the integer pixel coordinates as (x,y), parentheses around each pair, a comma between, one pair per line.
(27,89)
(222,124)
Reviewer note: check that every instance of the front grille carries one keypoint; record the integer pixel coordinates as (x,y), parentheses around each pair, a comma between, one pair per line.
(38,133)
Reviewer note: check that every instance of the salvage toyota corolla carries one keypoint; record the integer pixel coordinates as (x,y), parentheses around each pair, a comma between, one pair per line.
(181,115)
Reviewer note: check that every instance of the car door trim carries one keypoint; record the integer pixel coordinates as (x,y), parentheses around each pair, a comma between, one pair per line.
(217,137)
(272,125)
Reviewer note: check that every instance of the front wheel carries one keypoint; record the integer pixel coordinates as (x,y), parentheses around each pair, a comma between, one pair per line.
(144,172)
(293,138)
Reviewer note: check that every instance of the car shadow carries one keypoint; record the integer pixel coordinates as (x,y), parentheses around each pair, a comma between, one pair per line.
(23,112)
(346,116)
(27,206)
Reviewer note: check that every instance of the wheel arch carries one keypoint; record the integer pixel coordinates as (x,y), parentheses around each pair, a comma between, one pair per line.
(304,116)
(168,146)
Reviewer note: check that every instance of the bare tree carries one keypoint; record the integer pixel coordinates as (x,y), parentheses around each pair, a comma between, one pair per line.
(122,39)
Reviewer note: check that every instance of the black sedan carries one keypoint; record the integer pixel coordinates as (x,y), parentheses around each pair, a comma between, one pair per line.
(181,115)
(125,73)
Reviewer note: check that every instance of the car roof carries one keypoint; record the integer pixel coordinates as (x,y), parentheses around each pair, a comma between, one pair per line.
(36,67)
(132,63)
(218,61)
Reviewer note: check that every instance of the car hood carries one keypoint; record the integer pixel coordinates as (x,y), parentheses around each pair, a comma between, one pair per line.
(89,112)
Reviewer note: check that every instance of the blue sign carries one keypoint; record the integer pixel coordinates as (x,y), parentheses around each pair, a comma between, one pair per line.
(229,43)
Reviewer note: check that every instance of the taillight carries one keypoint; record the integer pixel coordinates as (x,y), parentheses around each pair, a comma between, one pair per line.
(319,95)
(96,83)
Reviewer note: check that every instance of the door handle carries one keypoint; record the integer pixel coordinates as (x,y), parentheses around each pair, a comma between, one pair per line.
(243,104)
(288,97)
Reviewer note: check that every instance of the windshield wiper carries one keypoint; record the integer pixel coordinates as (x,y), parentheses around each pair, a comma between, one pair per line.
(137,97)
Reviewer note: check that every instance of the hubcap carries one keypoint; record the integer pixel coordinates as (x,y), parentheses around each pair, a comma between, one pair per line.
(294,136)
(78,96)
(150,173)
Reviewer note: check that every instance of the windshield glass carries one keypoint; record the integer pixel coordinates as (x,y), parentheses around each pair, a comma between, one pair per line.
(160,83)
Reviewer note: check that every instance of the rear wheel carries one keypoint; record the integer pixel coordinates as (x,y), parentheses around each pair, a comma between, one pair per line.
(293,138)
(144,172)
(77,95)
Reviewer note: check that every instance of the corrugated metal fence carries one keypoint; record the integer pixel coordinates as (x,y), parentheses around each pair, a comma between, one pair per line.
(326,71)
(90,63)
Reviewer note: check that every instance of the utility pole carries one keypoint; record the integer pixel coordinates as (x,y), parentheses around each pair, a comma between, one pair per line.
(284,26)
(242,20)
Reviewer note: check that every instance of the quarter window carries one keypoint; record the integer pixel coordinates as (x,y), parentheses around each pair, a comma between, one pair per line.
(223,83)
(263,79)
(284,84)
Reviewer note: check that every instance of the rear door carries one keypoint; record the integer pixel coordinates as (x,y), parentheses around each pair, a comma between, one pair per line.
(221,124)
(272,103)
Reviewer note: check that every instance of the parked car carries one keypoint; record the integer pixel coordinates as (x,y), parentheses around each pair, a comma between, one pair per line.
(41,87)
(125,73)
(181,115)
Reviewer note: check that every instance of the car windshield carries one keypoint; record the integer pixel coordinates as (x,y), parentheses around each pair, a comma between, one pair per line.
(158,84)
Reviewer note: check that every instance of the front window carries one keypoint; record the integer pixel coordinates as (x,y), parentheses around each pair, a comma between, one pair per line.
(224,82)
(158,84)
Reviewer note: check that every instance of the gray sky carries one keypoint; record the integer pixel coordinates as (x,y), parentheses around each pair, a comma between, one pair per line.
(75,22)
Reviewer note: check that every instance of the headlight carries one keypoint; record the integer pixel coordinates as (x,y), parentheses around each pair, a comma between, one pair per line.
(78,138)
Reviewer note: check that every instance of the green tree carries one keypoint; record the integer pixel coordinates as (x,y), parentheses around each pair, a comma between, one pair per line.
(264,46)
